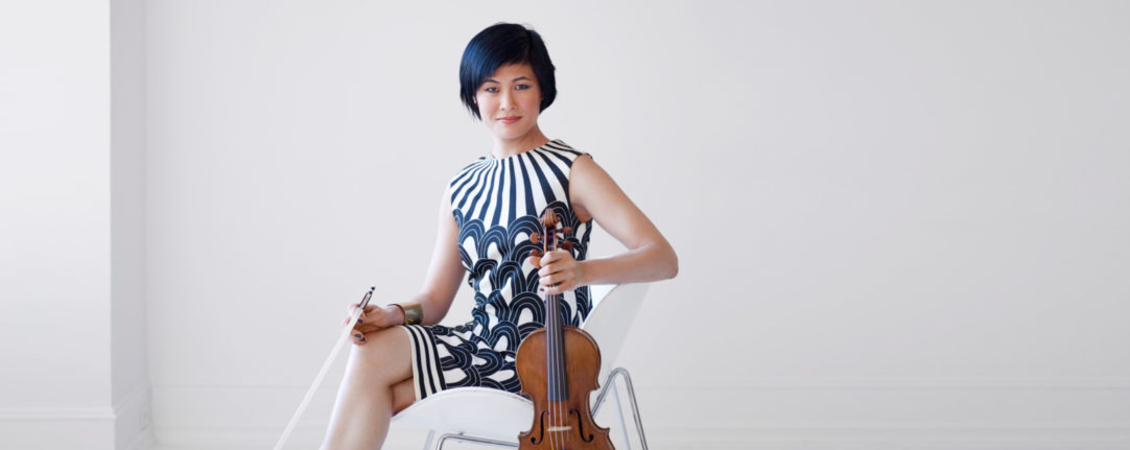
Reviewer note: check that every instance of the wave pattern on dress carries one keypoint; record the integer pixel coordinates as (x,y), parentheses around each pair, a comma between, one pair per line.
(497,205)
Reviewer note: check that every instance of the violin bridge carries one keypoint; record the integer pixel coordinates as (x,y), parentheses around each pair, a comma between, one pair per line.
(553,429)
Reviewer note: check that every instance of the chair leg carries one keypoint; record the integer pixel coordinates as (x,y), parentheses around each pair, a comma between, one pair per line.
(622,372)
(479,440)
(620,414)
(428,443)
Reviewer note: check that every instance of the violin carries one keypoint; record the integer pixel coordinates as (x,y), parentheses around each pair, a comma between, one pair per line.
(558,367)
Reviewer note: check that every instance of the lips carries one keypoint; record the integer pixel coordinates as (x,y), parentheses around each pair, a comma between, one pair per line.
(509,120)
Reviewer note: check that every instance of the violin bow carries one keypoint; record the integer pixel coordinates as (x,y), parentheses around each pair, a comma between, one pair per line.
(325,367)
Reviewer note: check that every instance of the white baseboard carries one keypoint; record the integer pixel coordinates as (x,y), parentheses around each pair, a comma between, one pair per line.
(61,428)
(123,426)
(132,421)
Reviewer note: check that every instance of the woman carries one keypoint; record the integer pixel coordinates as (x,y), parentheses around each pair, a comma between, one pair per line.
(401,355)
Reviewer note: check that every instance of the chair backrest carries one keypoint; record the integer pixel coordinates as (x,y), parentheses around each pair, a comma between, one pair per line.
(610,319)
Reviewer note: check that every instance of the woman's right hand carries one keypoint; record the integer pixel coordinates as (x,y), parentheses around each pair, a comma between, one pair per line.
(374,318)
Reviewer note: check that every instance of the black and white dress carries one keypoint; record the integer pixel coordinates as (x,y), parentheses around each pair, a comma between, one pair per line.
(497,204)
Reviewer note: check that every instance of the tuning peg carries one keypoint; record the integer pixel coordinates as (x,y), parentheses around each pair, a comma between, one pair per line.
(535,238)
(567,230)
(568,246)
(535,254)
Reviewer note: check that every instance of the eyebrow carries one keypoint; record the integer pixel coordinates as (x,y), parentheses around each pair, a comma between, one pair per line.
(516,79)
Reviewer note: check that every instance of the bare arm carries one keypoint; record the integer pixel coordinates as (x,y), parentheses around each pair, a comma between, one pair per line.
(445,272)
(649,257)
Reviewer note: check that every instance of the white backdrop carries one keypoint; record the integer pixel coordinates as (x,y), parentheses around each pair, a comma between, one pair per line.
(897,224)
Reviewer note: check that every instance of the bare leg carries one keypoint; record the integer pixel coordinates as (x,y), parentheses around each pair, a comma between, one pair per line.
(365,401)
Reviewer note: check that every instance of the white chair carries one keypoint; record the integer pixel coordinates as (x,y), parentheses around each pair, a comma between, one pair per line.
(455,413)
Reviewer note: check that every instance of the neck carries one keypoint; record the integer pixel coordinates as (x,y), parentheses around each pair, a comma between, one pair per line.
(511,147)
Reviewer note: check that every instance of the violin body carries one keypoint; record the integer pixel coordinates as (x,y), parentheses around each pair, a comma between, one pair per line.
(558,366)
(561,423)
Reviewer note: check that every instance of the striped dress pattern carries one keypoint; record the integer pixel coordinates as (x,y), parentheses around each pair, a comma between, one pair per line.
(497,204)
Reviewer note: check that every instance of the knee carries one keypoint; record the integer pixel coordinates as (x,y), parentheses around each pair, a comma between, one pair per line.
(380,355)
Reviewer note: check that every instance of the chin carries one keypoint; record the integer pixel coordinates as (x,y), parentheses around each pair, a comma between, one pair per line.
(508,134)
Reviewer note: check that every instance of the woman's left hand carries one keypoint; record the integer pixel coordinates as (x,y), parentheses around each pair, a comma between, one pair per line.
(559,272)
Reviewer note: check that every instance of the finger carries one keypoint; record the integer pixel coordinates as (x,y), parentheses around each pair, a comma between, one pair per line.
(559,255)
(368,329)
(358,337)
(559,288)
(551,269)
(561,277)
(556,273)
(369,323)
(535,261)
(549,281)
(362,326)
(548,268)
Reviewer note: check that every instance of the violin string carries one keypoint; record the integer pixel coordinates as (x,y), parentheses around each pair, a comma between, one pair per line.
(560,349)
(564,418)
(556,378)
(551,322)
(557,371)
(549,373)
(564,374)
(553,365)
(550,386)
(561,363)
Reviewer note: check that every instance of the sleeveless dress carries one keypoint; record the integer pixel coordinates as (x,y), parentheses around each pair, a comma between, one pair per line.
(497,204)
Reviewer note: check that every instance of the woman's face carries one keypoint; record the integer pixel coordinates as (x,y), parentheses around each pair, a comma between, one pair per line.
(512,91)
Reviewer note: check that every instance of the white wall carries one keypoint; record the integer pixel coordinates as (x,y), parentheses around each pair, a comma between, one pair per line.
(131,388)
(895,222)
(72,327)
(899,225)
(55,290)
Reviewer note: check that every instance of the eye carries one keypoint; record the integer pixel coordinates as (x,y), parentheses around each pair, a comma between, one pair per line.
(524,85)
(489,89)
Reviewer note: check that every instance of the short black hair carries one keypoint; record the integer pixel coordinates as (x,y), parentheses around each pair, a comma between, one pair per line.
(502,44)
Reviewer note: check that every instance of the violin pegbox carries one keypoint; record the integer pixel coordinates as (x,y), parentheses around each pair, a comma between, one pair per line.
(549,222)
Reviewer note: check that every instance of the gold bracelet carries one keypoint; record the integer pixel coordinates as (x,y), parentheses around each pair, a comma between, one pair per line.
(413,312)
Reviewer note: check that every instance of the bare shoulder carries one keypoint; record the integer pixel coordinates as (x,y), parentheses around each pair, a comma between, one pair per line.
(582,174)
(600,198)
(594,194)
(585,171)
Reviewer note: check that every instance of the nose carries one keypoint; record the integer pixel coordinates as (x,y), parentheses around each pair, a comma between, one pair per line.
(507,101)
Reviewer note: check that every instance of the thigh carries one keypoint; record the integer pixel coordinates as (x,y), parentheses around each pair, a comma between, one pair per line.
(403,394)
(386,358)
